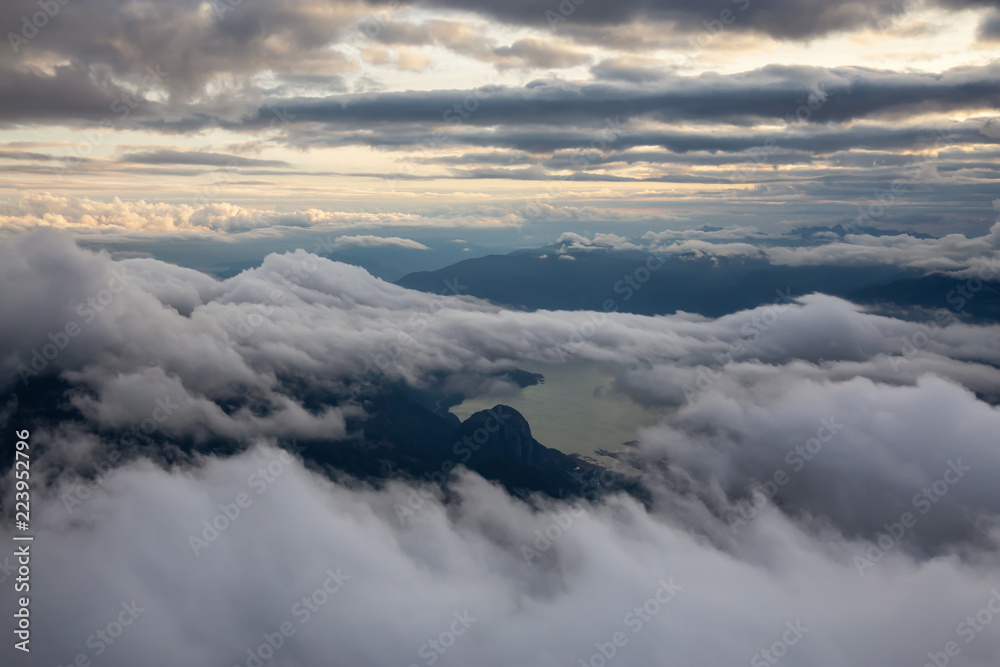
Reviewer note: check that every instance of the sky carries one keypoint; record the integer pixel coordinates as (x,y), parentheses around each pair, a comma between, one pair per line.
(521,119)
(178,180)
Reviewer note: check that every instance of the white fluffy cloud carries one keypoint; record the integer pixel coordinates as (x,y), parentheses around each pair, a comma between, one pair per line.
(401,585)
(124,219)
(749,388)
(333,325)
(369,241)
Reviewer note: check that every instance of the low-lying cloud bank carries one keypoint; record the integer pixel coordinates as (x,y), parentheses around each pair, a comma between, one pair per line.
(827,469)
(857,245)
(486,580)
(138,329)
(120,218)
(957,254)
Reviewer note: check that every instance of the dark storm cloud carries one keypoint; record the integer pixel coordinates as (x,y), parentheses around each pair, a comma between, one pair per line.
(851,168)
(110,48)
(24,155)
(191,40)
(112,45)
(989,29)
(784,19)
(71,93)
(166,156)
(466,40)
(726,139)
(538,54)
(618,69)
(773,92)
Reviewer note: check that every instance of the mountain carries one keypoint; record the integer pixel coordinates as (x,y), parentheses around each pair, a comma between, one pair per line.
(591,280)
(399,437)
(403,438)
(972,300)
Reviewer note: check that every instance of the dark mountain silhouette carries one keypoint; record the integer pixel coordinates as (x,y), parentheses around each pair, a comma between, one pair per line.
(935,292)
(403,438)
(399,438)
(592,279)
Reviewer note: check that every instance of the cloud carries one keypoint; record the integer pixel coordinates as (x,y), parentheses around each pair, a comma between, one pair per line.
(226,347)
(246,358)
(955,254)
(772,92)
(196,46)
(989,29)
(572,241)
(167,156)
(132,219)
(869,416)
(538,53)
(874,442)
(789,19)
(368,241)
(631,69)
(397,587)
(104,50)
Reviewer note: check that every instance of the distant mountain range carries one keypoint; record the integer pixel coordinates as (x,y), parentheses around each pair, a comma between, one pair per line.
(710,286)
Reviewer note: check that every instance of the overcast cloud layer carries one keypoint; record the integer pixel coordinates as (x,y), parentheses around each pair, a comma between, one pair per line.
(766,113)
